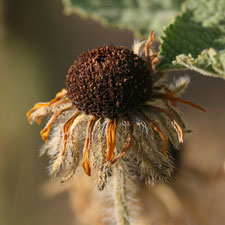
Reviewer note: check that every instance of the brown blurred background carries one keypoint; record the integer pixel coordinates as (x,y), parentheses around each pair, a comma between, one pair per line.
(38,43)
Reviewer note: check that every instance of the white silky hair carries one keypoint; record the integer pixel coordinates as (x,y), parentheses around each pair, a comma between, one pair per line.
(144,155)
(139,47)
(179,85)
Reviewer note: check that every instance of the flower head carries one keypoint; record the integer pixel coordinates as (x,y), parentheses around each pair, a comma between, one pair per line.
(114,108)
(108,82)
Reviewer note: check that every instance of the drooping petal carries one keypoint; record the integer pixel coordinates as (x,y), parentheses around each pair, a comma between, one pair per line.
(87,147)
(111,139)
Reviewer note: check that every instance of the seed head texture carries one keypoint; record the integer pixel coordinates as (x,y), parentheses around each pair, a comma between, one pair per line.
(108,82)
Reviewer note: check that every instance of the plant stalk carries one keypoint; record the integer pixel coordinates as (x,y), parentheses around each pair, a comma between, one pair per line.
(120,194)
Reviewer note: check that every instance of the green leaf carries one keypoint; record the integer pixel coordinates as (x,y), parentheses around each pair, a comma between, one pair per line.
(210,62)
(196,39)
(140,16)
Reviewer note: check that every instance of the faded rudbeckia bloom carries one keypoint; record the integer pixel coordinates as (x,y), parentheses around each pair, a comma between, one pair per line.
(115,110)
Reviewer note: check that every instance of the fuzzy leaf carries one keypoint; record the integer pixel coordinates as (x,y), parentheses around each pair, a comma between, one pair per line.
(196,39)
(210,62)
(141,16)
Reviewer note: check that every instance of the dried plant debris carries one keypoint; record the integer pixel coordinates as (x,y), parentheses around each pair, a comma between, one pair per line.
(114,110)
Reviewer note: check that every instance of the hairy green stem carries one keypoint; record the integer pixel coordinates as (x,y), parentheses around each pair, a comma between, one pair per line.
(120,194)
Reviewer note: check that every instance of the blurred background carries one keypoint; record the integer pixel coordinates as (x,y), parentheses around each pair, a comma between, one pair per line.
(38,43)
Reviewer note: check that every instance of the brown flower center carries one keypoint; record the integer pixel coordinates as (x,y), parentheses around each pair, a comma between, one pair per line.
(108,82)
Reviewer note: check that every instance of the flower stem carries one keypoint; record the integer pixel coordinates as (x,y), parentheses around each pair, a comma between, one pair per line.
(120,194)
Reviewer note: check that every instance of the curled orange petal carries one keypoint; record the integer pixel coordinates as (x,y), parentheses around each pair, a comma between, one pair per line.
(66,130)
(111,139)
(59,95)
(36,106)
(175,124)
(86,162)
(126,146)
(45,132)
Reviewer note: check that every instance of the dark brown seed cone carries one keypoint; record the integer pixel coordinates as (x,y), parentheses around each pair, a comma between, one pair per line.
(108,82)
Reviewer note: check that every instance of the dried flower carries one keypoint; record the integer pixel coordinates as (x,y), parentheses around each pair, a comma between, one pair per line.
(108,82)
(114,108)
